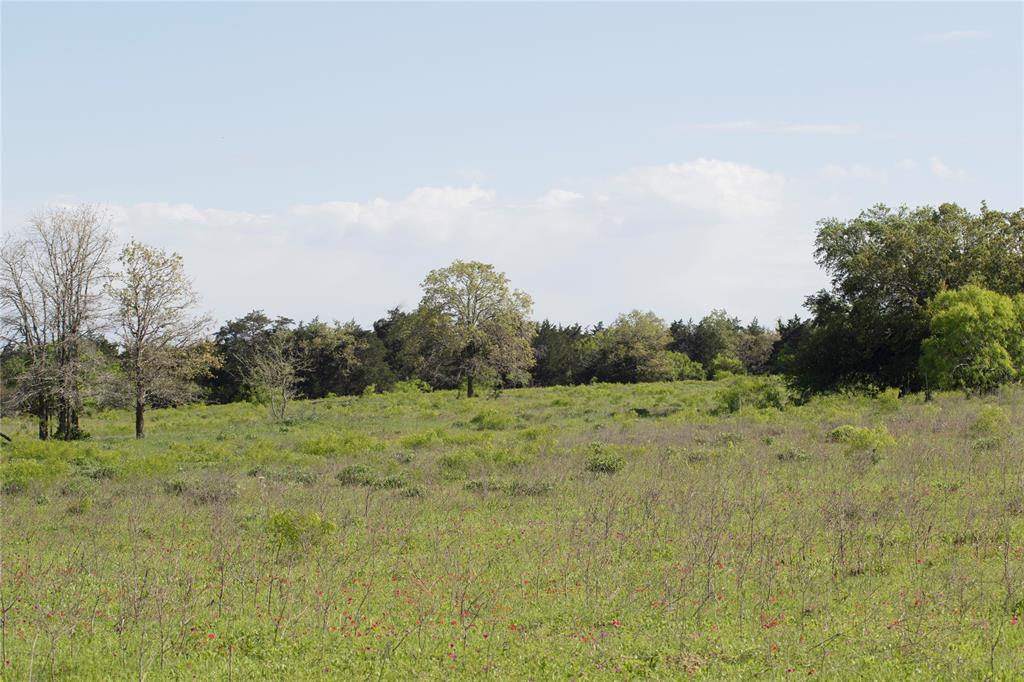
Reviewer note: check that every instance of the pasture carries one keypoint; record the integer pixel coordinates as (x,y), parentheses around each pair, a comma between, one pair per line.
(601,532)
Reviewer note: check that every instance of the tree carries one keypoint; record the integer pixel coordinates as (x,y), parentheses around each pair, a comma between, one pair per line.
(716,334)
(234,343)
(271,374)
(560,354)
(478,325)
(754,346)
(51,303)
(154,302)
(634,348)
(976,341)
(885,265)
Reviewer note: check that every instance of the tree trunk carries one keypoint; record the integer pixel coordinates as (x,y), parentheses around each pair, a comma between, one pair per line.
(44,419)
(140,411)
(140,419)
(469,386)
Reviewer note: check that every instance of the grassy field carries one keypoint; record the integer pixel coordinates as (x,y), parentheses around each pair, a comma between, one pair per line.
(596,532)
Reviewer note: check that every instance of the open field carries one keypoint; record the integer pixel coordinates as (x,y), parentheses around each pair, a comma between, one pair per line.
(594,532)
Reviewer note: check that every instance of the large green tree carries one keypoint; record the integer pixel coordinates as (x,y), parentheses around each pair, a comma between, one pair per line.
(885,265)
(478,326)
(634,348)
(976,341)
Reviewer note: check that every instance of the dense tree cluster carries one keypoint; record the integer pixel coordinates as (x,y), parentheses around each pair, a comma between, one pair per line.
(926,298)
(886,266)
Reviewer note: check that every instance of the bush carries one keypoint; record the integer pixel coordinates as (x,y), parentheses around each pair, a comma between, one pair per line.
(992,420)
(684,368)
(357,474)
(339,444)
(491,420)
(860,438)
(888,400)
(761,393)
(603,460)
(723,366)
(293,530)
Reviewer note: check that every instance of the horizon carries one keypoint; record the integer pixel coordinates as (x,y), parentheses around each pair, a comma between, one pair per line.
(317,160)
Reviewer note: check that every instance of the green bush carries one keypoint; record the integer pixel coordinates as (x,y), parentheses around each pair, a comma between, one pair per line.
(340,444)
(492,420)
(293,530)
(759,392)
(604,460)
(888,400)
(860,438)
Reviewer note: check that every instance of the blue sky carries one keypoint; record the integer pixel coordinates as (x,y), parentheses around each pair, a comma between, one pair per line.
(318,159)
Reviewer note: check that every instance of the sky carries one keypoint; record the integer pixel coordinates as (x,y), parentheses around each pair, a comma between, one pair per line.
(318,159)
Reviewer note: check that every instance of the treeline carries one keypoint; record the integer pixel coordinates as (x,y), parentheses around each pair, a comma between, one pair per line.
(346,359)
(925,298)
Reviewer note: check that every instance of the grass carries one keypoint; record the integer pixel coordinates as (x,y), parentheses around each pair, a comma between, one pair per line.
(657,531)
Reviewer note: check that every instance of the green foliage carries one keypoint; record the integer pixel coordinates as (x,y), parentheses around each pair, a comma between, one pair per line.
(885,265)
(604,460)
(976,342)
(888,400)
(861,438)
(757,392)
(634,349)
(684,368)
(294,530)
(723,366)
(339,444)
(492,420)
(992,420)
(478,326)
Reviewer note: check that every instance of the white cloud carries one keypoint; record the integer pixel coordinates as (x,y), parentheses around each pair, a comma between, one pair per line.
(560,198)
(784,128)
(941,170)
(429,211)
(189,213)
(677,238)
(854,172)
(719,188)
(952,36)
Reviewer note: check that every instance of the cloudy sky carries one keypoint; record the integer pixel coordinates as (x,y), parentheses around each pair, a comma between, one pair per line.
(319,159)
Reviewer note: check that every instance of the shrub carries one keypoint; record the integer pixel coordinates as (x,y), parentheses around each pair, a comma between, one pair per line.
(992,420)
(292,530)
(454,465)
(860,438)
(491,420)
(723,366)
(339,444)
(888,400)
(684,368)
(357,474)
(792,455)
(528,489)
(761,393)
(603,460)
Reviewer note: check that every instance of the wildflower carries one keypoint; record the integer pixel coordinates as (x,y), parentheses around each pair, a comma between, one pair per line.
(211,636)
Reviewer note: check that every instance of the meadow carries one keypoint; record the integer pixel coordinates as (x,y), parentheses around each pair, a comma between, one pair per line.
(601,532)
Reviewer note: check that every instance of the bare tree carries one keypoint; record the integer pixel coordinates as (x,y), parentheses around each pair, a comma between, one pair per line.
(154,304)
(26,326)
(51,301)
(271,374)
